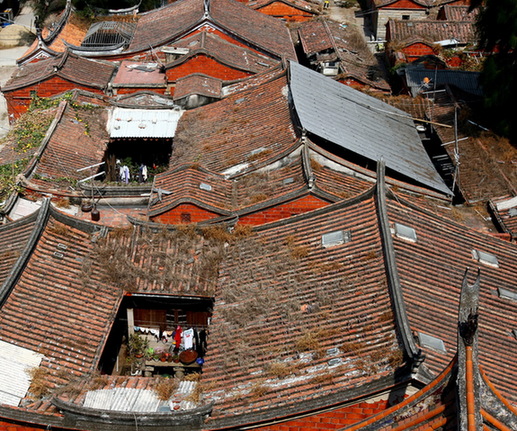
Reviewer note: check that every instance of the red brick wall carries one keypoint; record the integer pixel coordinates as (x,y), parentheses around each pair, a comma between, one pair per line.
(417,50)
(5,426)
(174,216)
(208,66)
(281,10)
(299,206)
(135,89)
(18,101)
(333,420)
(403,4)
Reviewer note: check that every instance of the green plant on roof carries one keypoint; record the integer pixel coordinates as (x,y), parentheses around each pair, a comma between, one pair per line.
(137,345)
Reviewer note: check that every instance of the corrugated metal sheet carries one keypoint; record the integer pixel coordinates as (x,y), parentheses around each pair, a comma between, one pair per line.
(465,81)
(143,123)
(136,400)
(15,362)
(362,124)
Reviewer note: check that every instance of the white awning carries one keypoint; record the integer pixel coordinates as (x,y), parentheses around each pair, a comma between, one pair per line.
(143,123)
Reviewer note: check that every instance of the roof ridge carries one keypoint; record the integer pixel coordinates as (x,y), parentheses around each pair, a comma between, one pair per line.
(412,351)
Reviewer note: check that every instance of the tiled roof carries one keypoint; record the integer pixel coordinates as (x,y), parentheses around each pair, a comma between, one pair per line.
(284,332)
(197,83)
(237,133)
(190,184)
(71,67)
(481,157)
(170,22)
(68,30)
(67,317)
(431,272)
(458,13)
(137,73)
(228,53)
(505,212)
(404,31)
(79,140)
(13,240)
(302,5)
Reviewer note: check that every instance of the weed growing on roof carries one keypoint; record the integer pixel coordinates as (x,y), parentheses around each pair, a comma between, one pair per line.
(60,229)
(97,381)
(165,387)
(280,369)
(309,340)
(196,395)
(40,385)
(258,390)
(387,316)
(315,165)
(322,379)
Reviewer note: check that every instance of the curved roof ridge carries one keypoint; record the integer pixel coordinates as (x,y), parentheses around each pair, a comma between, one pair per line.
(399,308)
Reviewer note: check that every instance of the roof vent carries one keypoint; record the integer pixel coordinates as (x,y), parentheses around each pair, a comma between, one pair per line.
(405,232)
(486,258)
(335,238)
(507,294)
(514,332)
(431,342)
(204,186)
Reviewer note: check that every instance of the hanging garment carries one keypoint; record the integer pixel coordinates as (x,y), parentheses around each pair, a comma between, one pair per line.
(202,343)
(144,172)
(188,338)
(127,175)
(177,337)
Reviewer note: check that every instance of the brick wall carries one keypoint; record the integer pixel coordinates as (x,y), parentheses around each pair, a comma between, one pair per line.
(18,101)
(333,420)
(5,426)
(417,50)
(132,90)
(281,10)
(203,64)
(299,206)
(177,215)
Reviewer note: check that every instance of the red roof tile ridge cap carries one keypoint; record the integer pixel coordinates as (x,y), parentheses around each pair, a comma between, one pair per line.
(494,421)
(496,391)
(422,393)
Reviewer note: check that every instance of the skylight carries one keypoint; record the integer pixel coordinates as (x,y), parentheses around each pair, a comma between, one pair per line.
(507,294)
(431,342)
(485,258)
(512,212)
(405,232)
(335,238)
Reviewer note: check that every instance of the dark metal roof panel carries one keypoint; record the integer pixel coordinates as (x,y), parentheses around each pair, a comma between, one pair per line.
(362,124)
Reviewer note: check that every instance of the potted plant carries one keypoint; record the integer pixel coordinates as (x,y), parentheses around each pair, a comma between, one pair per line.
(137,346)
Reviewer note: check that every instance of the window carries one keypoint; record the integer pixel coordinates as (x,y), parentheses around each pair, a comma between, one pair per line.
(431,342)
(507,294)
(185,218)
(335,238)
(406,17)
(405,232)
(485,258)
